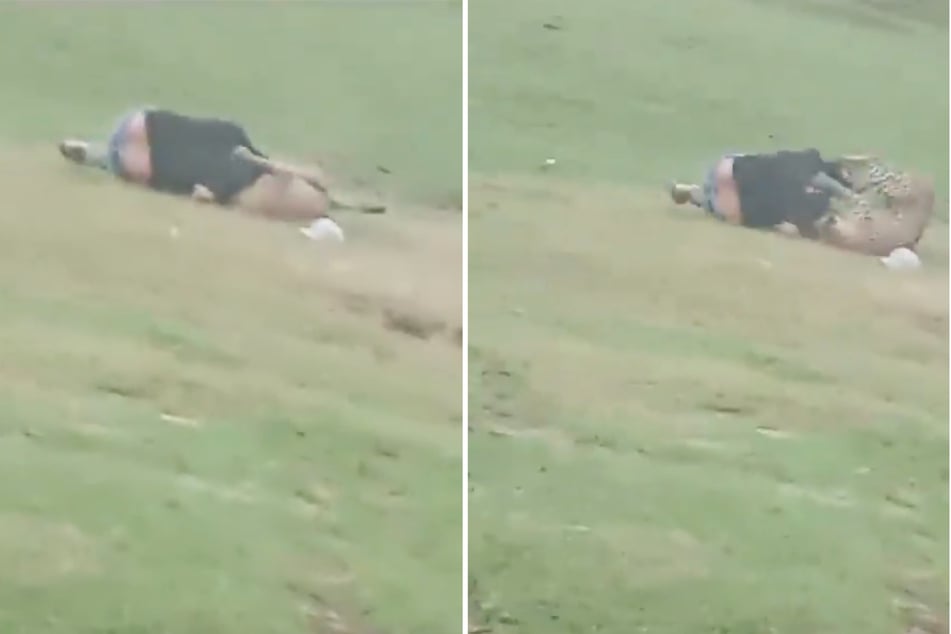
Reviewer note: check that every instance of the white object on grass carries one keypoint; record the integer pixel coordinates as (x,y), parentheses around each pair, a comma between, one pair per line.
(901,259)
(549,161)
(323,229)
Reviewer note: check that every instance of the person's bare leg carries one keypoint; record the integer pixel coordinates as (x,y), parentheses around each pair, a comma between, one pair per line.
(284,198)
(313,176)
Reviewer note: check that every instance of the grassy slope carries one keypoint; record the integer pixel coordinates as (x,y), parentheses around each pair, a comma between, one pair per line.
(680,427)
(356,83)
(215,432)
(641,91)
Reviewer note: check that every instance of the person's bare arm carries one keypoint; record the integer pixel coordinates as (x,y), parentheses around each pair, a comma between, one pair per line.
(826,183)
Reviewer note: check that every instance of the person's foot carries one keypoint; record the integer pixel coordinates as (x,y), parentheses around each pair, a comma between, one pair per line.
(681,193)
(74,150)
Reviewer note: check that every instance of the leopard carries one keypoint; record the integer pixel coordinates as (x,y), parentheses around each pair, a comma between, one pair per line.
(889,208)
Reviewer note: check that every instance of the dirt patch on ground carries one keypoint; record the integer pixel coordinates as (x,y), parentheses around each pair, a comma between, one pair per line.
(485,615)
(402,269)
(408,322)
(38,552)
(404,316)
(330,617)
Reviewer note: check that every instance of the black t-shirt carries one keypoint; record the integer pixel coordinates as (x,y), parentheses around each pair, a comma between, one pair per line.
(187,151)
(775,188)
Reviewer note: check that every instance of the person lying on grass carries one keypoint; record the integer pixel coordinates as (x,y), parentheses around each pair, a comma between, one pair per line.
(855,203)
(211,160)
(765,191)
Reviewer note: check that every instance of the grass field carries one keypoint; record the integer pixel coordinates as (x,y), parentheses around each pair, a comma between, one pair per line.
(207,424)
(677,427)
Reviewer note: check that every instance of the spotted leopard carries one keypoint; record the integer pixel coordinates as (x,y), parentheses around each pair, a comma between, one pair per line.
(878,179)
(890,208)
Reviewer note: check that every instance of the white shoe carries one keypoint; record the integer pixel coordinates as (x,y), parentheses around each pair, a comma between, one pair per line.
(323,229)
(901,259)
(74,150)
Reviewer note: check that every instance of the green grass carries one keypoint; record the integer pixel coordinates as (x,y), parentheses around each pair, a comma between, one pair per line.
(358,84)
(642,91)
(679,427)
(220,429)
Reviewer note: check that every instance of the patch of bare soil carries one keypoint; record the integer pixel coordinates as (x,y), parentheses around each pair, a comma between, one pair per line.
(411,323)
(484,615)
(918,598)
(327,618)
(405,273)
(404,317)
(929,623)
(37,552)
